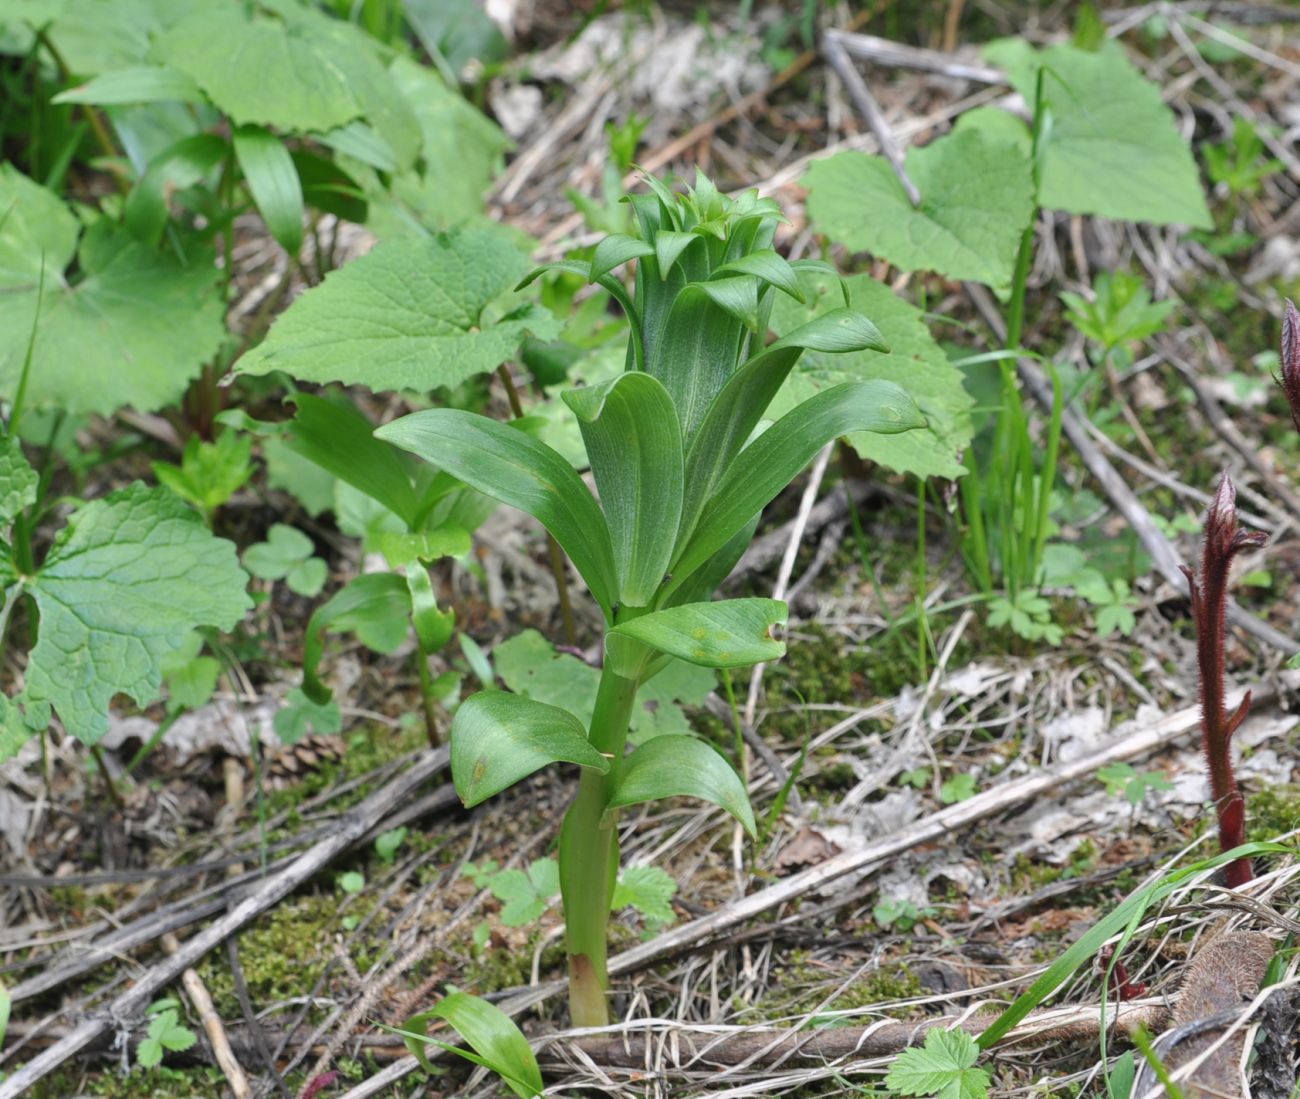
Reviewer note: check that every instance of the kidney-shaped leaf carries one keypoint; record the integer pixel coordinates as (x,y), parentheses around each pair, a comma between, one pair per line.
(504,463)
(733,633)
(634,442)
(497,738)
(682,766)
(773,460)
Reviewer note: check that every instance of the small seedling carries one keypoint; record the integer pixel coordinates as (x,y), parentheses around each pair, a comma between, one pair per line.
(166,1032)
(387,844)
(1135,786)
(957,788)
(901,914)
(1028,614)
(209,473)
(352,883)
(300,717)
(288,555)
(1119,313)
(1238,165)
(944,1067)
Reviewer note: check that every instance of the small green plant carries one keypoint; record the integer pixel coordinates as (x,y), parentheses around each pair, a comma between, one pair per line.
(1238,165)
(166,1032)
(683,474)
(387,844)
(1120,312)
(209,473)
(1123,779)
(288,555)
(959,787)
(945,1067)
(901,914)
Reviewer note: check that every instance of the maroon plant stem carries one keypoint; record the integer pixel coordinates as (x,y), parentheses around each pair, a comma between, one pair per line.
(1209,592)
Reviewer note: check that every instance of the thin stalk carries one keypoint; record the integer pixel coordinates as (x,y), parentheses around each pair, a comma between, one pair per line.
(102,764)
(553,547)
(426,696)
(921,579)
(589,855)
(1048,478)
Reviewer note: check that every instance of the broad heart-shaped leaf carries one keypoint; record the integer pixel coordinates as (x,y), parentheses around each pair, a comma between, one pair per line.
(337,437)
(497,1043)
(682,766)
(273,180)
(497,738)
(375,606)
(775,458)
(504,463)
(137,316)
(122,586)
(915,362)
(977,197)
(743,400)
(291,67)
(17,480)
(635,447)
(732,633)
(413,314)
(1113,147)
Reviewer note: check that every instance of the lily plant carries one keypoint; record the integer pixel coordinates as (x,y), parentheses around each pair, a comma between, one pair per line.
(684,463)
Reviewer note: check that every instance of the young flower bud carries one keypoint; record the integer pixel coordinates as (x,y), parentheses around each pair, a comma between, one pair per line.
(1209,592)
(1290,380)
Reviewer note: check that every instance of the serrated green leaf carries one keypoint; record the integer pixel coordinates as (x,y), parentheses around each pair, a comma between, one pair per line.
(292,68)
(273,180)
(1113,147)
(634,443)
(134,84)
(977,197)
(915,362)
(682,766)
(410,315)
(497,738)
(943,1067)
(124,582)
(504,463)
(376,607)
(137,316)
(649,890)
(999,126)
(17,480)
(773,460)
(733,633)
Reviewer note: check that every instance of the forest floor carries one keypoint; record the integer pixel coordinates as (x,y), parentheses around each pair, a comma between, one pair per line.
(1000,795)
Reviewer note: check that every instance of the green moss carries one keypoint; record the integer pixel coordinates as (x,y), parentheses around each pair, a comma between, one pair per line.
(800,988)
(1272,812)
(282,955)
(158,1083)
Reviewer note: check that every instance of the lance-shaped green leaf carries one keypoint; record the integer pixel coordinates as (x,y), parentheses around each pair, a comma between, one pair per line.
(504,463)
(412,314)
(273,180)
(682,766)
(669,245)
(338,438)
(614,251)
(123,585)
(768,265)
(635,445)
(740,404)
(375,606)
(497,738)
(773,460)
(176,167)
(494,1041)
(696,349)
(135,84)
(733,633)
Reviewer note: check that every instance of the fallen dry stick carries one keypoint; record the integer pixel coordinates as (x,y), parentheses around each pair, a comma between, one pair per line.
(1139,741)
(212,1025)
(276,886)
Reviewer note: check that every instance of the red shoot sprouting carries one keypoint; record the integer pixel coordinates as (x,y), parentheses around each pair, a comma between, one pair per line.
(1209,591)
